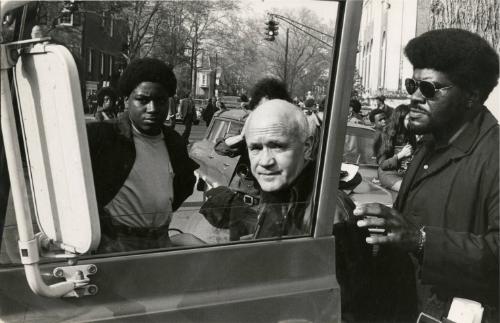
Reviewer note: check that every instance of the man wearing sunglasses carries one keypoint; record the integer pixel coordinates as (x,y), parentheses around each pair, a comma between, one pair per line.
(445,222)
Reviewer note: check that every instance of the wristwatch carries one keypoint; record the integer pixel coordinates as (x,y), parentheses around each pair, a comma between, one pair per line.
(421,241)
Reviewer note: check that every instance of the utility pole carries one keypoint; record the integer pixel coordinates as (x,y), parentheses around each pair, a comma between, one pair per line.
(286,56)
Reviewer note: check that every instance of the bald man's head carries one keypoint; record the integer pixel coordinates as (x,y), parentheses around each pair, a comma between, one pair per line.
(282,112)
(279,144)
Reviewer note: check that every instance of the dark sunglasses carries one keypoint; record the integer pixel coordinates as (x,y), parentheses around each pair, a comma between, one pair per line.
(428,89)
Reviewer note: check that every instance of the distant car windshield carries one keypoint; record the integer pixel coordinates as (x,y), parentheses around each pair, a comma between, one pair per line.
(219,129)
(358,146)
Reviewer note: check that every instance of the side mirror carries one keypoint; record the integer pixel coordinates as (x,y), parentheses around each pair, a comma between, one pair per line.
(57,154)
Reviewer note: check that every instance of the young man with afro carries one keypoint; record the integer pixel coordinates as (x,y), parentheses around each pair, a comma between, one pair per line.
(443,231)
(142,171)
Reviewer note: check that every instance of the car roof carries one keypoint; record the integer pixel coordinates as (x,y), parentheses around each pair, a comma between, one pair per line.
(358,129)
(234,114)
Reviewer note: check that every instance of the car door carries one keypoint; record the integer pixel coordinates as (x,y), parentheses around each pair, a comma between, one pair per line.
(282,279)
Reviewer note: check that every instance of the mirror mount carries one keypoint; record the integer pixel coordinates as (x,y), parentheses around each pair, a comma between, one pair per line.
(49,248)
(78,275)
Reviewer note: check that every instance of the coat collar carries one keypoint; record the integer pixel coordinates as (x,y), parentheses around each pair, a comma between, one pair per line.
(124,126)
(462,146)
(478,127)
(298,192)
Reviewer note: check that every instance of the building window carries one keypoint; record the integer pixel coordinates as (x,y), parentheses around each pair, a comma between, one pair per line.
(203,80)
(89,60)
(66,20)
(102,64)
(383,54)
(111,59)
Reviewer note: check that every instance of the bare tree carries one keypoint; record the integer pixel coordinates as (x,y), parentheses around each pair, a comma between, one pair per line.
(308,59)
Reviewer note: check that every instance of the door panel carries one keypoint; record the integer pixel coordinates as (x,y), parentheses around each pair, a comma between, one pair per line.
(222,284)
(251,281)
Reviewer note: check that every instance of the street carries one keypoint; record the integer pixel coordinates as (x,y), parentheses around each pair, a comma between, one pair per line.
(186,218)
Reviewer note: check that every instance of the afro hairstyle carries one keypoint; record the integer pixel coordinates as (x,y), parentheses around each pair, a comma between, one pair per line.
(147,70)
(270,88)
(356,105)
(466,58)
(103,92)
(309,103)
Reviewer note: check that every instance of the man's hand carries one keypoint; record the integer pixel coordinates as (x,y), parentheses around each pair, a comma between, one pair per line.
(387,226)
(407,151)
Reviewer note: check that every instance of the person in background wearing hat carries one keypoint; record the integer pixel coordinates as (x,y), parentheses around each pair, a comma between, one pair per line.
(106,109)
(142,171)
(445,221)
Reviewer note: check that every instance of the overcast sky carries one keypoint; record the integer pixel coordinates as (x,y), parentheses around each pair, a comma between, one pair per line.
(326,10)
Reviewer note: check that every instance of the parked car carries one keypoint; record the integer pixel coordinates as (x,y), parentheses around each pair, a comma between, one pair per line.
(216,170)
(231,102)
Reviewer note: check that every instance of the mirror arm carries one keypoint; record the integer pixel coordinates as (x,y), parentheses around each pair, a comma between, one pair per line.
(27,242)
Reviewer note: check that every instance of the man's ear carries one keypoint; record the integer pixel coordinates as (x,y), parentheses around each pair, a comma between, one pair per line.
(308,148)
(125,102)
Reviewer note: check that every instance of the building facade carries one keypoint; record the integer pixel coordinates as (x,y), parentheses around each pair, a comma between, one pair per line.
(386,27)
(95,38)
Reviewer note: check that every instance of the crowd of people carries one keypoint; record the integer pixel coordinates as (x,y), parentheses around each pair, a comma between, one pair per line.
(440,152)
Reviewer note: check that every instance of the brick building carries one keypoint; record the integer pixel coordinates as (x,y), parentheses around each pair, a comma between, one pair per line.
(95,38)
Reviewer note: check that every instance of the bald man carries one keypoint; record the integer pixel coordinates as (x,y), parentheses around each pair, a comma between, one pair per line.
(279,144)
(279,148)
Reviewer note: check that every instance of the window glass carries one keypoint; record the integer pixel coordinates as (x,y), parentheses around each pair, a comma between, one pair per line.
(359,145)
(235,128)
(218,130)
(9,250)
(166,211)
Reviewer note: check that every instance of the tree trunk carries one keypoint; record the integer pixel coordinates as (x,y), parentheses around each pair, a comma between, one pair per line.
(478,16)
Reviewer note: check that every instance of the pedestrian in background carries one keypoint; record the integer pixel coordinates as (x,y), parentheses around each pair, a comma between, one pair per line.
(106,107)
(395,149)
(355,115)
(209,111)
(187,115)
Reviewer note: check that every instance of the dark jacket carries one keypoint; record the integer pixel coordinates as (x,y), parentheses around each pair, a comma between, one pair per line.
(112,153)
(187,107)
(454,192)
(208,113)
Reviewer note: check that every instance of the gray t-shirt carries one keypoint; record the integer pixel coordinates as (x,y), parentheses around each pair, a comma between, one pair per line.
(145,199)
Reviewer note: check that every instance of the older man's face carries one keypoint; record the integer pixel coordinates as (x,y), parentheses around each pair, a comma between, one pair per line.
(277,154)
